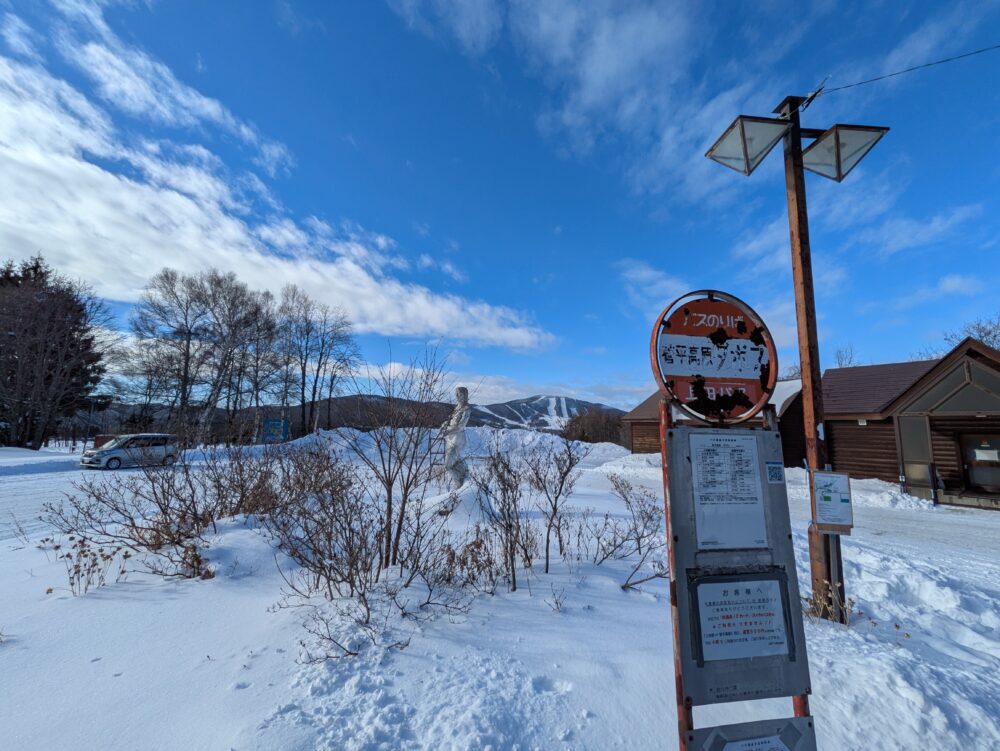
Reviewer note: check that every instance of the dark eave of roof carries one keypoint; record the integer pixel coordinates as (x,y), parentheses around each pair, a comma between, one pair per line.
(868,389)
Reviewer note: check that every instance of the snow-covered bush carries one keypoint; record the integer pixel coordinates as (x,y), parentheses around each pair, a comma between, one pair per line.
(159,515)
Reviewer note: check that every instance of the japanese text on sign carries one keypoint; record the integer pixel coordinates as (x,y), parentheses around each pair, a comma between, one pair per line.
(741,619)
(728,497)
(770,743)
(685,355)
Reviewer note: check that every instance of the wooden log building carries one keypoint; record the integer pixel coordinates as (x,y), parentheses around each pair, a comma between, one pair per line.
(933,426)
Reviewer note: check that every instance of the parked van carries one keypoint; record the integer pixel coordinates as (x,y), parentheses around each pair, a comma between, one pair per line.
(132,451)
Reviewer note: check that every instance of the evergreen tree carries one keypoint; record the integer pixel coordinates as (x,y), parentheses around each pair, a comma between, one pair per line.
(50,354)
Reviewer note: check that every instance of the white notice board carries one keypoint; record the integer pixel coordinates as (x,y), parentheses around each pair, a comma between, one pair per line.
(740,619)
(728,497)
(833,501)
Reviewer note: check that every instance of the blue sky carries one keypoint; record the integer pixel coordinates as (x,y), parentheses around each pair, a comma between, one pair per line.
(523,182)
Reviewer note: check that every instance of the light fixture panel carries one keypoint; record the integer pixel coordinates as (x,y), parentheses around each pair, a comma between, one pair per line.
(746,142)
(838,150)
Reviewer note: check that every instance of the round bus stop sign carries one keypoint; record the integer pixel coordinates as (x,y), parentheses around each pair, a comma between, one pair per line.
(714,356)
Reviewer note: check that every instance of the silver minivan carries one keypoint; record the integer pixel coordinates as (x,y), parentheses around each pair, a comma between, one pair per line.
(132,451)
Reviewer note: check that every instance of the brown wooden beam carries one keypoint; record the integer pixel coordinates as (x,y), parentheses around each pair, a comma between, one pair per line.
(824,550)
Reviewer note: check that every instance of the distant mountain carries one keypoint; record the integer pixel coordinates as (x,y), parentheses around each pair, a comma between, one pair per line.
(536,412)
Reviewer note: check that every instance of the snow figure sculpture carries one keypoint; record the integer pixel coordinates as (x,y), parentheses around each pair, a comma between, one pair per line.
(453,431)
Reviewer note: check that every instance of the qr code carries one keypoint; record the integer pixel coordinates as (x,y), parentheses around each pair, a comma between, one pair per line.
(775,473)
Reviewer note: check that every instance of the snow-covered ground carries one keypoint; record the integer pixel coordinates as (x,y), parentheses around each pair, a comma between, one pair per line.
(149,663)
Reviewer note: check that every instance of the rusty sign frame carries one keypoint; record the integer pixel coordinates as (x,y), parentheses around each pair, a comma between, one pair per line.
(664,382)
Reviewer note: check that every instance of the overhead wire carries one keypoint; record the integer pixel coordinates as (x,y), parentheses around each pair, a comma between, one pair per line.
(821,91)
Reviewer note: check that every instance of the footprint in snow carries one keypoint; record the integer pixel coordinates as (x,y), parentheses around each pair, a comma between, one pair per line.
(544,685)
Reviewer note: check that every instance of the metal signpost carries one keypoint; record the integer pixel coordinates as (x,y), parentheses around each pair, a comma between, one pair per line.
(737,620)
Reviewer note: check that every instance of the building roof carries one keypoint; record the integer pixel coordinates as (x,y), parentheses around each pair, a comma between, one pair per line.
(649,410)
(869,389)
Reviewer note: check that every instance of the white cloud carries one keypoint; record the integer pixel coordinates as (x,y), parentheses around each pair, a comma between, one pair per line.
(426,261)
(453,271)
(629,74)
(768,247)
(19,37)
(116,222)
(475,24)
(294,21)
(945,31)
(948,286)
(648,289)
(143,87)
(898,233)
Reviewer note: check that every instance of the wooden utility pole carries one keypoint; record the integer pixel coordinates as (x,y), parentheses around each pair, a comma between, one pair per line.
(824,549)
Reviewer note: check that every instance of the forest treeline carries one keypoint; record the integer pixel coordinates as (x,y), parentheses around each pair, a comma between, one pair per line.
(202,353)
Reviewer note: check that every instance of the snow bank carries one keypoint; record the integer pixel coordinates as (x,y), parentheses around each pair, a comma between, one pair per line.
(864,493)
(569,661)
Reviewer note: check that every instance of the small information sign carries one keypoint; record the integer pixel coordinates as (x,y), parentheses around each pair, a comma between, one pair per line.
(740,619)
(728,497)
(834,512)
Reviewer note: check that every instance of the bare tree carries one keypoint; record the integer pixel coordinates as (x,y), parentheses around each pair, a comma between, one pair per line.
(594,425)
(845,356)
(228,332)
(552,472)
(791,372)
(986,330)
(320,349)
(172,311)
(399,407)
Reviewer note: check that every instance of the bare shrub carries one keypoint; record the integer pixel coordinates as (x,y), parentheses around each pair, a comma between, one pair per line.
(639,534)
(238,480)
(499,490)
(328,520)
(400,421)
(473,561)
(328,523)
(552,473)
(158,515)
(87,566)
(558,598)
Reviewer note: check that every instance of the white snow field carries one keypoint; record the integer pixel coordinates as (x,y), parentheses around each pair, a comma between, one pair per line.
(159,664)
